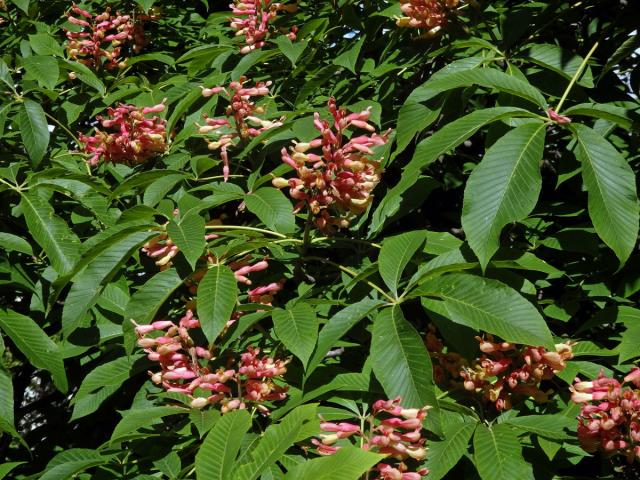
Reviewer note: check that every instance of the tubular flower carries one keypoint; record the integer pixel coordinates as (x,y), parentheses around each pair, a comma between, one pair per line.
(430,15)
(134,137)
(252,19)
(335,184)
(446,366)
(242,122)
(507,371)
(100,38)
(609,419)
(187,368)
(393,431)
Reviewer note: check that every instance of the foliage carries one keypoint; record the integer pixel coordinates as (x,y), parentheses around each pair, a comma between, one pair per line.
(227,233)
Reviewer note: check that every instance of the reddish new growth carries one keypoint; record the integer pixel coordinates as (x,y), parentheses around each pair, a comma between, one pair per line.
(134,138)
(100,39)
(430,15)
(609,419)
(242,122)
(507,371)
(239,383)
(335,184)
(253,18)
(389,430)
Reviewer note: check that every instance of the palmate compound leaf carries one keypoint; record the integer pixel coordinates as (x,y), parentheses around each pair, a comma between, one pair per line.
(611,188)
(216,457)
(490,306)
(503,188)
(400,360)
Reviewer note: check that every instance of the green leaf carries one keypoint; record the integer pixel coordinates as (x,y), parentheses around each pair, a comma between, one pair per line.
(490,306)
(611,187)
(349,58)
(109,377)
(395,254)
(22,5)
(69,463)
(276,441)
(34,130)
(560,61)
(216,457)
(297,328)
(548,426)
(349,463)
(413,118)
(85,75)
(35,344)
(630,338)
(45,44)
(145,303)
(498,454)
(272,208)
(5,468)
(60,244)
(217,296)
(337,326)
(188,235)
(43,69)
(604,111)
(483,77)
(291,50)
(503,188)
(444,455)
(132,420)
(89,283)
(400,360)
(13,243)
(7,423)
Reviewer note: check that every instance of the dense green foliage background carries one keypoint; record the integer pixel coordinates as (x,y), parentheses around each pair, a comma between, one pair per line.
(491,217)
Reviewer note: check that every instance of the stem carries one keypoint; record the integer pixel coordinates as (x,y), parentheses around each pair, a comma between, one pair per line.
(54,119)
(217,177)
(306,236)
(354,275)
(575,77)
(249,229)
(344,239)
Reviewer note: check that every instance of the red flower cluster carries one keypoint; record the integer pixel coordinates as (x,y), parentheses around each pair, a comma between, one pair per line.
(398,434)
(506,371)
(134,138)
(336,183)
(252,19)
(609,419)
(446,365)
(242,123)
(100,39)
(185,368)
(428,14)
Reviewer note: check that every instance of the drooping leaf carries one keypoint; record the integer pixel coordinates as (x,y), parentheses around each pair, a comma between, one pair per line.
(35,344)
(548,426)
(188,235)
(297,328)
(34,130)
(395,254)
(503,188)
(349,463)
(43,69)
(135,419)
(215,458)
(400,360)
(69,463)
(217,295)
(490,306)
(10,242)
(611,187)
(145,303)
